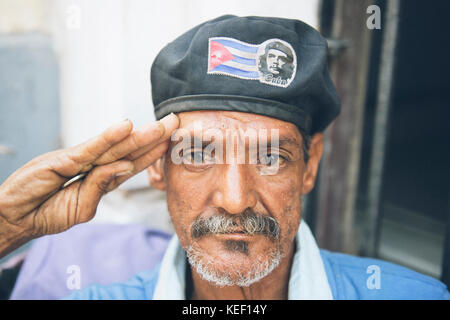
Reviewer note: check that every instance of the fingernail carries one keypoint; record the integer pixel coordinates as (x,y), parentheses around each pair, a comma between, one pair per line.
(161,129)
(170,121)
(121,125)
(121,174)
(127,168)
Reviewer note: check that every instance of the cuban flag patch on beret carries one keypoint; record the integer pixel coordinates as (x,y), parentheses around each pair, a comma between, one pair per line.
(272,62)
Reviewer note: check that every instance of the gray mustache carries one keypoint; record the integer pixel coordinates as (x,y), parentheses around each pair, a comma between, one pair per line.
(248,222)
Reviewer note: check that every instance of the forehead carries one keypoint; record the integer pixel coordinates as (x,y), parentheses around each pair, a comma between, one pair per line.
(233,120)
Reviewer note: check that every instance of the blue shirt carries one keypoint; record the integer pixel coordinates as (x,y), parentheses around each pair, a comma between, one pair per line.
(348,277)
(123,252)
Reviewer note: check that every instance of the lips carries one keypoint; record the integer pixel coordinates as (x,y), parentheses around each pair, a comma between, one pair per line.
(237,236)
(242,231)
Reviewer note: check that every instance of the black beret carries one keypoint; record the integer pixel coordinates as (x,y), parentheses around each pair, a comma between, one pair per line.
(270,66)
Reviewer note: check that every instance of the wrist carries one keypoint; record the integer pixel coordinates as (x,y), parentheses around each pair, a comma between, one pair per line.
(11,237)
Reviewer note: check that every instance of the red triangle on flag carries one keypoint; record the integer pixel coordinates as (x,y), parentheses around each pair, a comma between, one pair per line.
(218,54)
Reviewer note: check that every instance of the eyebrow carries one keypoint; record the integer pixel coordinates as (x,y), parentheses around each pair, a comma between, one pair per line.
(282,142)
(285,141)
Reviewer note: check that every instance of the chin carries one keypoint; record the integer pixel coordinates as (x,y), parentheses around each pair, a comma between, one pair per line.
(233,266)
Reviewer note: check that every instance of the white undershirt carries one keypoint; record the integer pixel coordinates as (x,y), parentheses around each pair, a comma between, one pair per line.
(308,279)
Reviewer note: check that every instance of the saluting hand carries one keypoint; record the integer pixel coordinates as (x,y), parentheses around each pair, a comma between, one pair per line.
(34,201)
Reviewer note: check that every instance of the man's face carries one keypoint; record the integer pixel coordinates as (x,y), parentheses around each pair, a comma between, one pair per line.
(212,206)
(276,59)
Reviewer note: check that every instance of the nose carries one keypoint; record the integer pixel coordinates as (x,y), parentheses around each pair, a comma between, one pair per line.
(235,191)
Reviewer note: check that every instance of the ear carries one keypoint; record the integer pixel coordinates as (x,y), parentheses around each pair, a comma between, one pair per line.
(315,154)
(156,175)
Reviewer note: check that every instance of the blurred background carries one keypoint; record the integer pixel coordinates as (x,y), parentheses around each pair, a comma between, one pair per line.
(71,68)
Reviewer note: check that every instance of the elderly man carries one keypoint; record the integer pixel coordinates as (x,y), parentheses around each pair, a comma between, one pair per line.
(234,162)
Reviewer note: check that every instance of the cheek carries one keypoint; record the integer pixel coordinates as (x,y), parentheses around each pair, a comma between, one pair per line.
(184,191)
(291,211)
(282,197)
(185,200)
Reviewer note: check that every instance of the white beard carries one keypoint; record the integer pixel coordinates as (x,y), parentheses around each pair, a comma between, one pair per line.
(227,274)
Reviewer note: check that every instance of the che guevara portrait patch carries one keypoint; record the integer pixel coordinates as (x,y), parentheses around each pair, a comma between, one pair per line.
(272,62)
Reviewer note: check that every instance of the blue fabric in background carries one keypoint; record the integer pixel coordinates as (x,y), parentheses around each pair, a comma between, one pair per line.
(104,254)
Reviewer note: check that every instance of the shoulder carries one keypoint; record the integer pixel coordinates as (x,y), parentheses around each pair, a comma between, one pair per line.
(353,277)
(139,287)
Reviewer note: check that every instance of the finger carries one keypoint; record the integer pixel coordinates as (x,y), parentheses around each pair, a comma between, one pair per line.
(55,214)
(40,179)
(69,162)
(77,203)
(170,125)
(142,163)
(141,140)
(31,185)
(87,153)
(136,154)
(95,185)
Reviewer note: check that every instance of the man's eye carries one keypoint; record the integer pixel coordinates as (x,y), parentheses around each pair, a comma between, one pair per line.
(197,158)
(272,159)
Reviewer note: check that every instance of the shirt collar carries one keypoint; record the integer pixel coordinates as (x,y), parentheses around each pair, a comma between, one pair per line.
(308,279)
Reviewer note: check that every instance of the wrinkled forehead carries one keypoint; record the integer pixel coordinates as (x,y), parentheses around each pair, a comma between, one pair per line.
(236,121)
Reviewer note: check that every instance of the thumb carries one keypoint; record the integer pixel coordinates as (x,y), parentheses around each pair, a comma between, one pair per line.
(97,184)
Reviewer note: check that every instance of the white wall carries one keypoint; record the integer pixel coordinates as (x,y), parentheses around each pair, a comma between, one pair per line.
(20,16)
(106,48)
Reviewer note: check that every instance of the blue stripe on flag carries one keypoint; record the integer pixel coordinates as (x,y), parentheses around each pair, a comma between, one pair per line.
(236,72)
(237,45)
(248,62)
